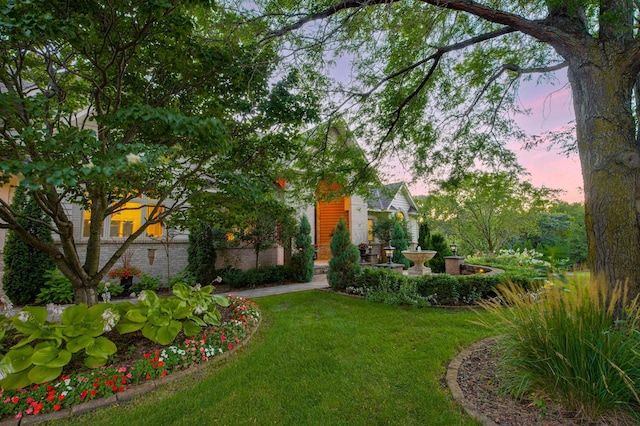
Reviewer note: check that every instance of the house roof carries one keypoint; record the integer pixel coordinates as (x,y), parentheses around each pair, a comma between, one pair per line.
(381,199)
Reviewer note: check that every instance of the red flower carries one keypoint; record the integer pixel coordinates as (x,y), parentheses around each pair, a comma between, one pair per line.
(56,407)
(84,394)
(15,399)
(94,393)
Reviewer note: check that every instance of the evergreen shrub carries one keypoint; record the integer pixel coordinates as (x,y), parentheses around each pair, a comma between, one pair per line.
(343,266)
(24,265)
(301,266)
(439,244)
(201,253)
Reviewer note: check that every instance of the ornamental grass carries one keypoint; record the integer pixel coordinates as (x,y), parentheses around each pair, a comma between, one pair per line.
(572,342)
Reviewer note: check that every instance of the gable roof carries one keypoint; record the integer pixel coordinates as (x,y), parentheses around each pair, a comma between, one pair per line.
(381,199)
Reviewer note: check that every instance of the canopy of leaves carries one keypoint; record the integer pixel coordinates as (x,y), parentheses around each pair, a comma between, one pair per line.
(436,87)
(486,210)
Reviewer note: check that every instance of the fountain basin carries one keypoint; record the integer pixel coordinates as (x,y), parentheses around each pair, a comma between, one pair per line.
(418,257)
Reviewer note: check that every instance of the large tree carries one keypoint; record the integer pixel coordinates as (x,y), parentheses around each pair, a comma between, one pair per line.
(103,102)
(429,63)
(486,210)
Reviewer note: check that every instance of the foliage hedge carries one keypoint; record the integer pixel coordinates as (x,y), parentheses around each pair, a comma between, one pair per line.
(237,278)
(384,285)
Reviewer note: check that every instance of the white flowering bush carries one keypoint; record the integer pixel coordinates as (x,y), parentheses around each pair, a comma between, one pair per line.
(510,258)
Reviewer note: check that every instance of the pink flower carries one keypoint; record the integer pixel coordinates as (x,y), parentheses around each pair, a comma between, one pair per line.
(122,369)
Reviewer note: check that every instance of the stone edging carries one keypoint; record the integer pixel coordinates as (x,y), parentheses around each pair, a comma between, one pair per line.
(129,394)
(454,387)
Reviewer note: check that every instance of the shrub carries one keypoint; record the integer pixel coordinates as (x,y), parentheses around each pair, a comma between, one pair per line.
(201,253)
(24,265)
(237,278)
(563,341)
(146,283)
(343,266)
(440,288)
(57,289)
(183,277)
(399,241)
(439,244)
(301,267)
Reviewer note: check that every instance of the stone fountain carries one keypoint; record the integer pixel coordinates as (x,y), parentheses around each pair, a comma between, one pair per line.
(418,257)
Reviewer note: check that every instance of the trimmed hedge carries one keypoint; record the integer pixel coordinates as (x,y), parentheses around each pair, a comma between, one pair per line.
(237,278)
(438,289)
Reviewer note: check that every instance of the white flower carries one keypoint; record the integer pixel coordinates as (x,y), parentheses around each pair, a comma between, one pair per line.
(197,287)
(142,296)
(24,316)
(218,279)
(89,165)
(54,310)
(110,318)
(133,158)
(106,297)
(198,310)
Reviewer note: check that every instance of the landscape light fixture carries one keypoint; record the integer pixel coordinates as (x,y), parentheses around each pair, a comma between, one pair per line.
(454,249)
(152,255)
(388,251)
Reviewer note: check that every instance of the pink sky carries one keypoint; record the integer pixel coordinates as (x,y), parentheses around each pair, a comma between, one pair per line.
(551,109)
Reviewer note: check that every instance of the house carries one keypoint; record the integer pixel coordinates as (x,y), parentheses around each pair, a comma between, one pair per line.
(360,215)
(162,252)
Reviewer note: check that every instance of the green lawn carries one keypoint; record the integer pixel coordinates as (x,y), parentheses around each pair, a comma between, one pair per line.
(320,359)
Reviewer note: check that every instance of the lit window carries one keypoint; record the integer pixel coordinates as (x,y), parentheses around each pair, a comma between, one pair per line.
(154,230)
(400,215)
(126,221)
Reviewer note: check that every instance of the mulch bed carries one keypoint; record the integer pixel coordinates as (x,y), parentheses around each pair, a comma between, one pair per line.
(479,381)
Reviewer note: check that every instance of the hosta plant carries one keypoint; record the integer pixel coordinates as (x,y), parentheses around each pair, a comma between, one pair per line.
(45,348)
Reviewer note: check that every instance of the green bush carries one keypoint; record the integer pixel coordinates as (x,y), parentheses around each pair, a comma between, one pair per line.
(237,278)
(301,267)
(24,265)
(343,266)
(146,283)
(442,289)
(439,244)
(57,289)
(565,342)
(201,253)
(183,277)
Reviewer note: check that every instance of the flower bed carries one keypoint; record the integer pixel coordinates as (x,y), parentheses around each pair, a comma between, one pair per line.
(86,385)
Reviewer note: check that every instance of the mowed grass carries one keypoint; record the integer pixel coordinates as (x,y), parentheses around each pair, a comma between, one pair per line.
(320,359)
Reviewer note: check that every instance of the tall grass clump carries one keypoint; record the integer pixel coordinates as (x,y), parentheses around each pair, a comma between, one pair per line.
(570,342)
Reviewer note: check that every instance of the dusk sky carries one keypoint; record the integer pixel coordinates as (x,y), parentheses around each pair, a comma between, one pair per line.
(551,109)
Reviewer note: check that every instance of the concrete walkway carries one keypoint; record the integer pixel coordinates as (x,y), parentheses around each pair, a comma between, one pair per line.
(319,282)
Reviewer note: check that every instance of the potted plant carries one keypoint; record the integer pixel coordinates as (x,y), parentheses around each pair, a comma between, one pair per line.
(363,250)
(126,272)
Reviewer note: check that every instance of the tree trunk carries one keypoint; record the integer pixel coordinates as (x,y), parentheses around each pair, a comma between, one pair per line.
(85,294)
(610,160)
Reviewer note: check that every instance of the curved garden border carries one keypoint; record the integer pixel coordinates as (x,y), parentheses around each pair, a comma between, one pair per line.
(454,387)
(129,394)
